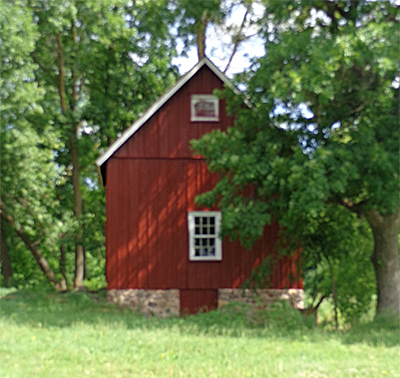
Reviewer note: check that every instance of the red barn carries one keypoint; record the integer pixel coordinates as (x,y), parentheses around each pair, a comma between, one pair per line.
(162,251)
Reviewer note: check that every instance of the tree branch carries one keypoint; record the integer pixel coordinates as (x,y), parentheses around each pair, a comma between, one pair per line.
(43,68)
(239,39)
(61,82)
(75,86)
(40,259)
(358,208)
(332,8)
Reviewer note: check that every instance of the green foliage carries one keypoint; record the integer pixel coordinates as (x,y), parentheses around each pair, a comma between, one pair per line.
(260,276)
(191,16)
(280,317)
(74,74)
(28,172)
(322,136)
(335,242)
(116,64)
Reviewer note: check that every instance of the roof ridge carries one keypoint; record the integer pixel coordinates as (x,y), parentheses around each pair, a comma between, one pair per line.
(135,126)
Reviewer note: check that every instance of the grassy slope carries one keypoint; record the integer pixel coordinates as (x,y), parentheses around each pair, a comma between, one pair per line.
(71,335)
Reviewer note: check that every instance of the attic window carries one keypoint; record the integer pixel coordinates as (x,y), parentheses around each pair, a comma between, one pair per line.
(204,241)
(204,108)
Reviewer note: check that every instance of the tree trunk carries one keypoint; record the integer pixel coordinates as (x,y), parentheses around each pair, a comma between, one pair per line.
(79,250)
(79,265)
(385,259)
(63,264)
(334,294)
(6,268)
(201,39)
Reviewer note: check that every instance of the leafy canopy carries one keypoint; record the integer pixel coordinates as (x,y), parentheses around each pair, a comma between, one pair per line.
(323,127)
(321,137)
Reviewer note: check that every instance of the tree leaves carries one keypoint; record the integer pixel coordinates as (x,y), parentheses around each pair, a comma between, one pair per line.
(75,75)
(323,130)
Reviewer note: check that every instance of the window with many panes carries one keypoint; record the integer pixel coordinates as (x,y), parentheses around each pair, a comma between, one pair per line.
(204,241)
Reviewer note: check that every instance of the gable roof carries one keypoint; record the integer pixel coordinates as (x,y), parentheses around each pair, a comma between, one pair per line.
(158,104)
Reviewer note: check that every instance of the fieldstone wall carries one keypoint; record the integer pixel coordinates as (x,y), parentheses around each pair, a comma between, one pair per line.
(165,303)
(160,303)
(262,297)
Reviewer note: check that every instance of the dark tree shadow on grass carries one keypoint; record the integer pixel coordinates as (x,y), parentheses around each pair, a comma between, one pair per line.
(49,309)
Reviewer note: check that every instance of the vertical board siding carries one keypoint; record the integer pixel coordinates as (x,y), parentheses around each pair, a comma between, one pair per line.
(152,182)
(193,301)
(168,132)
(147,233)
(111,235)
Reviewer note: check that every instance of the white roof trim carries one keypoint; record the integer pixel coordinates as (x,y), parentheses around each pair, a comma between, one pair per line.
(158,104)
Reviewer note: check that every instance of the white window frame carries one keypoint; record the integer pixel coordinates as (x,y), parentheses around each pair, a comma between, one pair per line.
(193,236)
(203,97)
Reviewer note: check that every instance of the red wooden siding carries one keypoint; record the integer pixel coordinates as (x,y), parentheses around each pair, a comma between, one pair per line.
(152,181)
(168,132)
(193,301)
(147,235)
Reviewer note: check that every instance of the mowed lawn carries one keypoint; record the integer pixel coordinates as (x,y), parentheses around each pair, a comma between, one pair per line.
(45,334)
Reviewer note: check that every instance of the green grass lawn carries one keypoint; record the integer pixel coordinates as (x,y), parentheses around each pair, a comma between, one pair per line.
(45,334)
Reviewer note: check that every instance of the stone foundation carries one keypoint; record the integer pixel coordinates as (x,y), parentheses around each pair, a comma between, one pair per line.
(164,303)
(262,297)
(160,303)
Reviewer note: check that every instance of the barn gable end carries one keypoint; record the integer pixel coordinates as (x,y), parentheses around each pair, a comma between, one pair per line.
(152,181)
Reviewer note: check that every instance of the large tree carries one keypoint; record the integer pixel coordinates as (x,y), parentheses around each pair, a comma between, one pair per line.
(28,173)
(323,129)
(97,66)
(100,65)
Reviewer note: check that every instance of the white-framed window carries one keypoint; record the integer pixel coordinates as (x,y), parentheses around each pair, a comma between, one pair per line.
(204,241)
(204,108)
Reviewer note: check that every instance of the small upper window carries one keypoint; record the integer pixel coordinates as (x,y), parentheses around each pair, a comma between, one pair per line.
(204,108)
(204,241)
